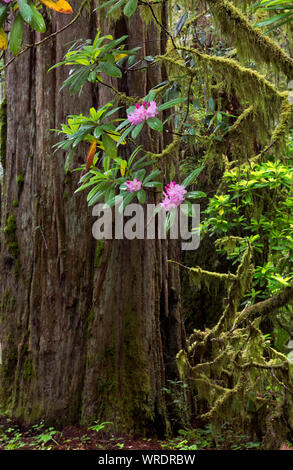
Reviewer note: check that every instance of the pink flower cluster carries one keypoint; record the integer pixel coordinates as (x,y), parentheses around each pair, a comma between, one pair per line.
(134,185)
(174,195)
(142,112)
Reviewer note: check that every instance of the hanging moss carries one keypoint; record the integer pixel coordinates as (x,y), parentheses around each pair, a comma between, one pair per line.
(246,83)
(250,41)
(230,369)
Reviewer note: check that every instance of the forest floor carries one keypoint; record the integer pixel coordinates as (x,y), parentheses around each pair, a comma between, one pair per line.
(16,435)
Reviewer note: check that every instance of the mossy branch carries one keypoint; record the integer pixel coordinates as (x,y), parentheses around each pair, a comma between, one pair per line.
(266,306)
(250,41)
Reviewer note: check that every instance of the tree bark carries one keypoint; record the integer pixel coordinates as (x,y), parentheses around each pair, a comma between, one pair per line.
(87,329)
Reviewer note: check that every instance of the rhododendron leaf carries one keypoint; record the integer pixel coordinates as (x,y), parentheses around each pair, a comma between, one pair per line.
(125,134)
(170,104)
(188,209)
(3,14)
(170,219)
(109,146)
(106,4)
(115,7)
(106,163)
(127,198)
(123,167)
(137,130)
(130,7)
(77,80)
(118,57)
(152,175)
(141,196)
(61,6)
(3,39)
(122,125)
(38,22)
(16,34)
(153,184)
(110,69)
(110,194)
(195,195)
(140,174)
(25,11)
(190,178)
(155,123)
(96,198)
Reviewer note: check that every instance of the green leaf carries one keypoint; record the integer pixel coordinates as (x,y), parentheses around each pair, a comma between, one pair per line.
(125,134)
(153,174)
(127,198)
(16,34)
(153,184)
(106,4)
(137,130)
(109,69)
(106,163)
(156,124)
(77,80)
(25,11)
(180,24)
(130,7)
(141,196)
(188,209)
(38,22)
(110,194)
(96,198)
(195,195)
(170,219)
(115,7)
(109,145)
(170,104)
(3,13)
(190,179)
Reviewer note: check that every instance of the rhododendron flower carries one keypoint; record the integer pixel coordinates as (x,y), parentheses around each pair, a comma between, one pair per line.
(134,185)
(7,1)
(142,112)
(151,110)
(174,195)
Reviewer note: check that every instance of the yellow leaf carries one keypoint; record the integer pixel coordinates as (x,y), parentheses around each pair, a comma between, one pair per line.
(221,211)
(119,56)
(123,167)
(61,6)
(3,39)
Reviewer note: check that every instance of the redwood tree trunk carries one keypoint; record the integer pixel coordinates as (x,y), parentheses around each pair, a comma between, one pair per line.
(87,329)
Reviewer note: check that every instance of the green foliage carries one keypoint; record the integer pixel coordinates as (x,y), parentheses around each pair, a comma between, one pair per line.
(257,204)
(284,8)
(116,172)
(88,60)
(129,6)
(202,438)
(99,426)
